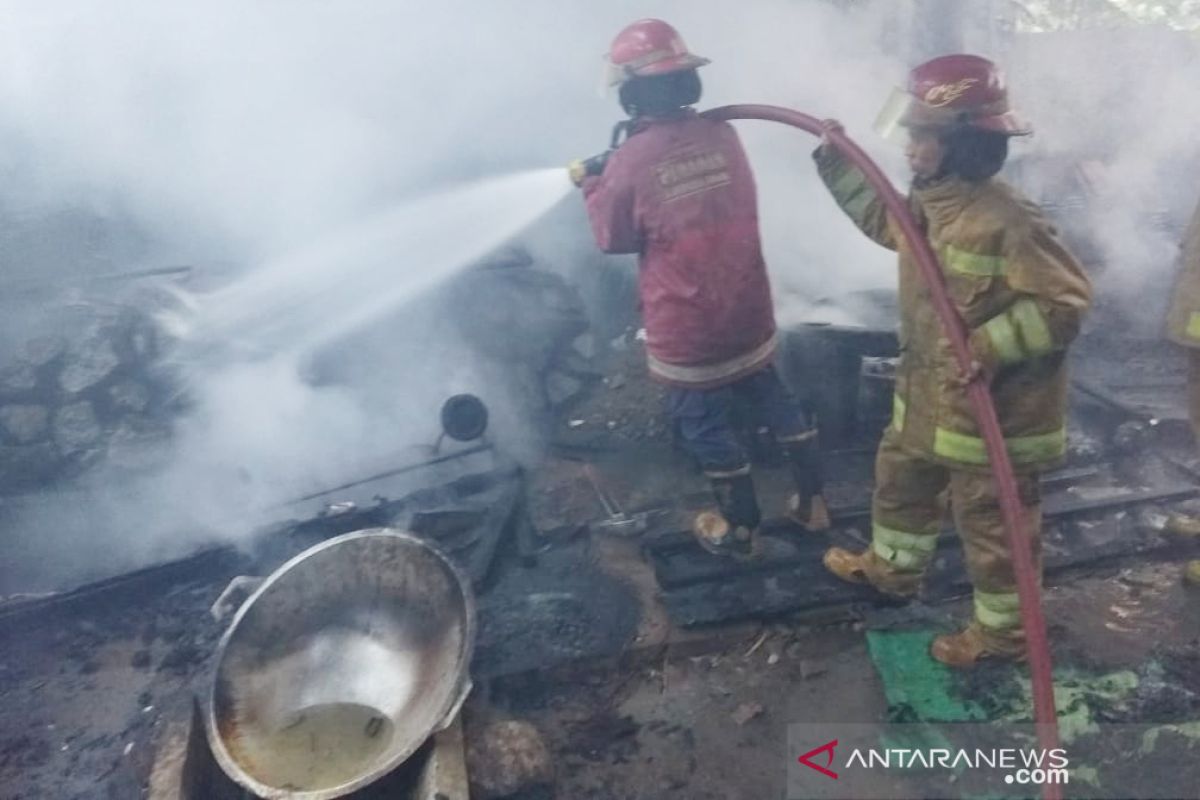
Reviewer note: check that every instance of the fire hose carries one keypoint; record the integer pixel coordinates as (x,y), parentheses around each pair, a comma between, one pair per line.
(1028,585)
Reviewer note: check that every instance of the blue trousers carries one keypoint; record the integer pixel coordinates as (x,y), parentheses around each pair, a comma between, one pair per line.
(704,418)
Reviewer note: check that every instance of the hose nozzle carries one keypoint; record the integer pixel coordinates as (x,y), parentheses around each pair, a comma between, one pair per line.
(581,168)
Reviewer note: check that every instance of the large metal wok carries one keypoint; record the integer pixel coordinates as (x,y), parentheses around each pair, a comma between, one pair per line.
(341,665)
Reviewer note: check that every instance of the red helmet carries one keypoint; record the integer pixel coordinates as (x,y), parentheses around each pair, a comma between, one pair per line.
(649,47)
(960,90)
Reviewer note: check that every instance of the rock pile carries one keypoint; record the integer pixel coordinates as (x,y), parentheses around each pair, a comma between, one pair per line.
(89,392)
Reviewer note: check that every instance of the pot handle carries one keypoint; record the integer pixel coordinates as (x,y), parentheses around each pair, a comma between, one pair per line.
(457,707)
(228,601)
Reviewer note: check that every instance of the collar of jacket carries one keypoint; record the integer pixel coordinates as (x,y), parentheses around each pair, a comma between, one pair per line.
(941,201)
(642,123)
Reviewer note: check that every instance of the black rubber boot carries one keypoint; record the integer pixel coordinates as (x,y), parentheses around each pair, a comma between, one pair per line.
(807,507)
(737,499)
(730,529)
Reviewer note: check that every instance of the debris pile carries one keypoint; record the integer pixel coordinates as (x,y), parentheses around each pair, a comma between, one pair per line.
(91,392)
(531,325)
(141,646)
(508,758)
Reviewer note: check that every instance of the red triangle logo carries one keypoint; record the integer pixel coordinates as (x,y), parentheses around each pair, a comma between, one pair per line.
(827,748)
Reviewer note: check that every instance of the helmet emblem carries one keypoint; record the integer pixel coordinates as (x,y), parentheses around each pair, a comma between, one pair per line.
(946,93)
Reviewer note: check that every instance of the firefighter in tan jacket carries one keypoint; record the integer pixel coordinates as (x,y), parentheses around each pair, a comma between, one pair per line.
(1022,296)
(1183,327)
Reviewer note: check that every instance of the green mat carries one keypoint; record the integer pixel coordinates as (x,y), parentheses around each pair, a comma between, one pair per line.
(922,691)
(918,689)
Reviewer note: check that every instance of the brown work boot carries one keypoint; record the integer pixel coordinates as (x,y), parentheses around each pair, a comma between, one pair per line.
(965,649)
(868,568)
(813,519)
(1191,573)
(714,533)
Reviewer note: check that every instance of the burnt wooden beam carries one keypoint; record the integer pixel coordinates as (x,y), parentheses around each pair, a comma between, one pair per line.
(678,561)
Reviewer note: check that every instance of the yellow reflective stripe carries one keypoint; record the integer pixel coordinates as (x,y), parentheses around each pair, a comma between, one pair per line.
(1193,325)
(857,206)
(1039,447)
(898,409)
(1003,336)
(1021,449)
(959,447)
(903,540)
(998,611)
(853,193)
(849,183)
(903,560)
(1032,325)
(1020,332)
(906,551)
(968,263)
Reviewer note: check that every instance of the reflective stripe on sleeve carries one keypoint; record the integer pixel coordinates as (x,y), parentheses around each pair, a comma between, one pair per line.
(1003,335)
(1031,324)
(853,194)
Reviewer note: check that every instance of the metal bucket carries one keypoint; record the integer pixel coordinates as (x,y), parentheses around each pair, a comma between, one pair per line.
(341,665)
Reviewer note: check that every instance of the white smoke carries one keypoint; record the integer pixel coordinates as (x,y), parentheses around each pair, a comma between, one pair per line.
(246,132)
(260,126)
(1120,108)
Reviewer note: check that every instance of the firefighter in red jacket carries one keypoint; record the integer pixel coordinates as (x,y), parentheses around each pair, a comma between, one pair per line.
(679,192)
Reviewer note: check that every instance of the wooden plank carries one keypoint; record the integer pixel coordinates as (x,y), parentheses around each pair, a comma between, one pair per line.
(184,767)
(678,561)
(445,774)
(214,564)
(807,587)
(1062,506)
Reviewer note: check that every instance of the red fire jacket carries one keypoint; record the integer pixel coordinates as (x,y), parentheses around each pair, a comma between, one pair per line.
(680,193)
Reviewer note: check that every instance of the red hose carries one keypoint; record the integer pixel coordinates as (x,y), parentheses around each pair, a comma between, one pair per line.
(1028,588)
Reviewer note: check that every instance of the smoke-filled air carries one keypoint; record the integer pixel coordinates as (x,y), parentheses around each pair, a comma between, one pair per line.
(325,169)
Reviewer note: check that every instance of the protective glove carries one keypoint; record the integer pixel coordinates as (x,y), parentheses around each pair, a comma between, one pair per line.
(829,126)
(583,167)
(826,147)
(984,360)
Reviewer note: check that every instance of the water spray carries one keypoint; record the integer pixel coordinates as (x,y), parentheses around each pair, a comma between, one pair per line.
(1028,588)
